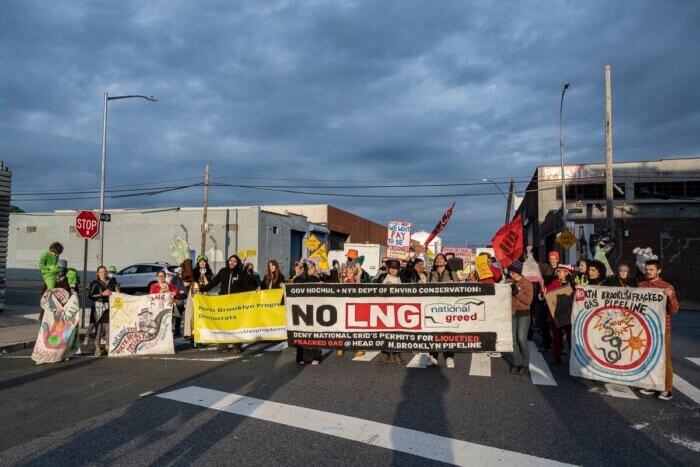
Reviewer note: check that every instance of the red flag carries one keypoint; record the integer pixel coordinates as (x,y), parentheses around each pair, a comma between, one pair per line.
(440,225)
(508,241)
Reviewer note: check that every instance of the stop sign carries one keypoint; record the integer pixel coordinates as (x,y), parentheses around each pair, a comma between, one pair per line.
(87,224)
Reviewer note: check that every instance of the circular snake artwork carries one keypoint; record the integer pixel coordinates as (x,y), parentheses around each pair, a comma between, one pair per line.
(617,343)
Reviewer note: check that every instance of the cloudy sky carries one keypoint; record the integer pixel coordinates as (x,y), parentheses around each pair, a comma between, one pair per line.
(330,94)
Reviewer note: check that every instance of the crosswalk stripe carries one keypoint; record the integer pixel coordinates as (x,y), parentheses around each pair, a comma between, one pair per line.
(686,388)
(620,390)
(695,360)
(418,361)
(417,443)
(480,365)
(277,347)
(539,370)
(368,356)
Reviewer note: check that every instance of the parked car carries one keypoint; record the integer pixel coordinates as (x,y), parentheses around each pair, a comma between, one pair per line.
(139,277)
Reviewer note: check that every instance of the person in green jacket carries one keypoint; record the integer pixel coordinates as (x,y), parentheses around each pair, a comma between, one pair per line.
(48,266)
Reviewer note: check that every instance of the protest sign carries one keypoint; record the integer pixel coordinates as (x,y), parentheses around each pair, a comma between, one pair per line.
(240,317)
(559,304)
(140,325)
(398,240)
(467,254)
(618,335)
(58,333)
(531,269)
(456,317)
(322,256)
(245,254)
(483,270)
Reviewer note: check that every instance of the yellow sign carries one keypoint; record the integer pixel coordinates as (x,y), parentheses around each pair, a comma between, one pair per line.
(312,243)
(566,239)
(483,270)
(318,250)
(245,254)
(240,317)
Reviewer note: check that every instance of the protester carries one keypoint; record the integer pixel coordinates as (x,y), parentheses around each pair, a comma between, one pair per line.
(596,273)
(520,307)
(622,278)
(441,273)
(382,272)
(304,273)
(561,328)
(653,280)
(203,273)
(273,277)
(181,282)
(231,279)
(100,290)
(549,270)
(392,277)
(581,277)
(250,269)
(415,271)
(47,264)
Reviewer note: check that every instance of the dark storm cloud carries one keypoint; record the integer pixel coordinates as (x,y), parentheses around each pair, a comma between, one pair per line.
(339,91)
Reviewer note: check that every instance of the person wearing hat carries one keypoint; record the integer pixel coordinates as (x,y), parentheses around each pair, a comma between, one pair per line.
(202,273)
(623,277)
(305,273)
(561,324)
(520,308)
(393,276)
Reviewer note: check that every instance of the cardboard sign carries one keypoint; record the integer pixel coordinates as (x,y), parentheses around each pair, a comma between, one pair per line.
(483,270)
(554,304)
(398,241)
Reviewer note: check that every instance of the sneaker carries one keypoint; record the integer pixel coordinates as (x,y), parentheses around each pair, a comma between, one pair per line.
(341,353)
(98,352)
(515,370)
(665,396)
(398,360)
(450,362)
(385,359)
(359,353)
(523,371)
(430,361)
(647,392)
(493,354)
(315,362)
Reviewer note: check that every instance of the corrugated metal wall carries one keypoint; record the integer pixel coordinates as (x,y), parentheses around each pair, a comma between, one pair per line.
(5,190)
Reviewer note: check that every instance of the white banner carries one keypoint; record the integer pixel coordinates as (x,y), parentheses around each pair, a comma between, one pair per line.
(58,333)
(459,317)
(618,336)
(140,325)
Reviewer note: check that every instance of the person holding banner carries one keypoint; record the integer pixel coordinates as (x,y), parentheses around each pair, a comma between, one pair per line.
(520,308)
(305,272)
(622,278)
(596,273)
(273,277)
(441,273)
(100,290)
(393,276)
(653,273)
(581,277)
(563,279)
(203,273)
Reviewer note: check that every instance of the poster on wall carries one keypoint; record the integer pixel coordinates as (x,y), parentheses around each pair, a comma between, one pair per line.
(458,317)
(140,325)
(618,336)
(398,240)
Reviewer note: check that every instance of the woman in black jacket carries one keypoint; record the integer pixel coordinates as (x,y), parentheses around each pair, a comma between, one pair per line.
(273,277)
(305,273)
(623,278)
(100,290)
(596,273)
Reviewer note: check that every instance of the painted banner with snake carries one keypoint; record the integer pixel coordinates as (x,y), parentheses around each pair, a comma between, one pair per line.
(618,336)
(140,325)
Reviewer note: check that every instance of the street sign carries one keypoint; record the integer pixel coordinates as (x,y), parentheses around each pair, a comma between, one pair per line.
(566,239)
(87,225)
(105,217)
(575,211)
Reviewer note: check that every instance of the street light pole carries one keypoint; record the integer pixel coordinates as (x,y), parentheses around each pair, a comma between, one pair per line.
(561,156)
(103,164)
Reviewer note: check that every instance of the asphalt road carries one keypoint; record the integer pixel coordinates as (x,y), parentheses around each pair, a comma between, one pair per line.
(160,411)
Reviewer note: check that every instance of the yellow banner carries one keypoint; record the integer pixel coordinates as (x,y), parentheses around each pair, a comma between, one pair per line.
(240,318)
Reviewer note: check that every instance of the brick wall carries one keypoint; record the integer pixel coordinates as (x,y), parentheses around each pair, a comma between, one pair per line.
(361,230)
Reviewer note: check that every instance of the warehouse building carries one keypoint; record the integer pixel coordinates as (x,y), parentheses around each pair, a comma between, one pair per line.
(656,205)
(256,233)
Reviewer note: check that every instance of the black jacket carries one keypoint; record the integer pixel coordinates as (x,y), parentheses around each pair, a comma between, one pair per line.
(232,281)
(269,283)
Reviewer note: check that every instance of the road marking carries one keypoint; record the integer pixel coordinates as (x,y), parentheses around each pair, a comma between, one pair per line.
(277,347)
(481,365)
(419,361)
(620,390)
(686,388)
(695,360)
(147,393)
(368,356)
(539,370)
(418,443)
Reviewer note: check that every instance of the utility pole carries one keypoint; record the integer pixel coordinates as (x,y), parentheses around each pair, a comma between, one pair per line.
(561,157)
(103,163)
(204,210)
(609,207)
(509,204)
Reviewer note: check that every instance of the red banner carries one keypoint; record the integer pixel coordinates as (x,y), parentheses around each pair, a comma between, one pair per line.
(440,225)
(508,241)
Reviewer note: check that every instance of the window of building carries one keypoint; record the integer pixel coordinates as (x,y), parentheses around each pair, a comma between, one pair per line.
(590,191)
(31,229)
(660,190)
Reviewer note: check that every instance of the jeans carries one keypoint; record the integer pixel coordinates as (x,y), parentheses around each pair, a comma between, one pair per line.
(521,353)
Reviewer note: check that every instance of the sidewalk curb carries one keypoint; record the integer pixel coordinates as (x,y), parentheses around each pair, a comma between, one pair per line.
(17,346)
